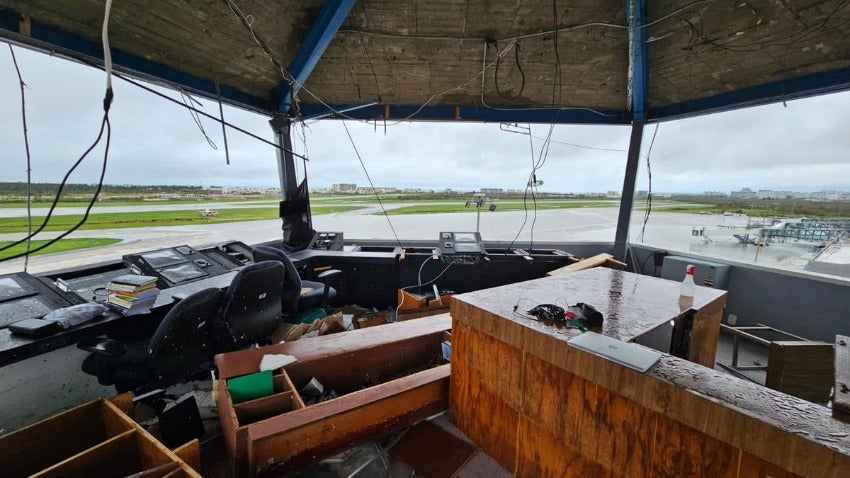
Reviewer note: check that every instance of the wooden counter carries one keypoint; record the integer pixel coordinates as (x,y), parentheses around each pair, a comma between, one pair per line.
(543,408)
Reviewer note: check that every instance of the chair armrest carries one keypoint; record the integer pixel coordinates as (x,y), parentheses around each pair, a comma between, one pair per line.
(180,296)
(103,347)
(328,273)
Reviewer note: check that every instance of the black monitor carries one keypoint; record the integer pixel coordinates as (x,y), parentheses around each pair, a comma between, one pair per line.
(181,273)
(163,258)
(294,207)
(10,288)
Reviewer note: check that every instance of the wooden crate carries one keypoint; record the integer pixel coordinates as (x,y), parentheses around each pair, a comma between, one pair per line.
(94,439)
(280,432)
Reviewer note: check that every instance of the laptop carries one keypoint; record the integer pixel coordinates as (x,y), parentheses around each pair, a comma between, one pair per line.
(629,354)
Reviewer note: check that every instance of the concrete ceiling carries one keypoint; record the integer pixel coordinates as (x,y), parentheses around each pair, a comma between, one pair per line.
(492,60)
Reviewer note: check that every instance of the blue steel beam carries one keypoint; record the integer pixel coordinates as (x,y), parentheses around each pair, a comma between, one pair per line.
(330,18)
(785,90)
(638,76)
(472,114)
(51,39)
(340,109)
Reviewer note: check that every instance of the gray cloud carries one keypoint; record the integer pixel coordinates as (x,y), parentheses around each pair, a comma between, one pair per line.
(799,146)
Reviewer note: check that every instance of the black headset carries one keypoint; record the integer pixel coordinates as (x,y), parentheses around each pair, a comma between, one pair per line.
(549,312)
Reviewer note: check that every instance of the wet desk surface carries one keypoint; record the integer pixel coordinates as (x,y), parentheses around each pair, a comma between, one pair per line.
(631,304)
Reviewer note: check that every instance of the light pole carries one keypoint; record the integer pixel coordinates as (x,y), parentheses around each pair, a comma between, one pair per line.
(479,200)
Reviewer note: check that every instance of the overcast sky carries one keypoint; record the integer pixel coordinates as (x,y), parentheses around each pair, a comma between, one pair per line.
(801,146)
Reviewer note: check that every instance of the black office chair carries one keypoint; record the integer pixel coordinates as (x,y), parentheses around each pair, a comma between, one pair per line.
(298,295)
(181,349)
(252,305)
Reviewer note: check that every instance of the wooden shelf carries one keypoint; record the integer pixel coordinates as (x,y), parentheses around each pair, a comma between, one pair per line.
(279,432)
(94,439)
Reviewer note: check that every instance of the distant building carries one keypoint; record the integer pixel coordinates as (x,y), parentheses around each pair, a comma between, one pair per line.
(492,190)
(613,194)
(714,194)
(745,193)
(344,188)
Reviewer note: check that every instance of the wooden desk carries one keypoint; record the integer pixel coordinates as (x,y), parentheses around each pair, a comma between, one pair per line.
(544,409)
(632,305)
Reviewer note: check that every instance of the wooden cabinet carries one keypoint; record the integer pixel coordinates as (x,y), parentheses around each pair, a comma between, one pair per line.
(385,378)
(95,439)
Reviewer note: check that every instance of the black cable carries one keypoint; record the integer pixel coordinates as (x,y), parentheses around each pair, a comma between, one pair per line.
(223,128)
(371,185)
(649,189)
(557,82)
(107,102)
(521,72)
(29,157)
(186,98)
(207,115)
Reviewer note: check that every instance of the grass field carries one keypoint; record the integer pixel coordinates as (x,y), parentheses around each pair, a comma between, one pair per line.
(453,206)
(168,202)
(60,246)
(156,218)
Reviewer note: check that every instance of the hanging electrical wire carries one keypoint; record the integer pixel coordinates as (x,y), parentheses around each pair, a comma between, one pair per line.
(104,126)
(29,157)
(209,116)
(648,206)
(521,72)
(187,98)
(223,128)
(371,185)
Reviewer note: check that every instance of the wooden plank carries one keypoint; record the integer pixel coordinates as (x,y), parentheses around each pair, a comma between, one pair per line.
(603,259)
(481,374)
(841,400)
(190,453)
(304,436)
(124,402)
(432,452)
(265,407)
(804,369)
(247,361)
(117,456)
(23,452)
(706,332)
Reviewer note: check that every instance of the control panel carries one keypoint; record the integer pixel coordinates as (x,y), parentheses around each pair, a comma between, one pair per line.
(461,247)
(327,241)
(174,265)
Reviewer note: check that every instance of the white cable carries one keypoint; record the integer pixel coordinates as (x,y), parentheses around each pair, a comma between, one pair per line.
(107,55)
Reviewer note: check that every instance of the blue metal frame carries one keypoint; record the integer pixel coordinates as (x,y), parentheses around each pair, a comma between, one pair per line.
(330,18)
(793,88)
(636,13)
(51,39)
(342,109)
(473,114)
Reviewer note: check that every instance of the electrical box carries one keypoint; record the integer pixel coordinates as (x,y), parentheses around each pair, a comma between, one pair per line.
(708,274)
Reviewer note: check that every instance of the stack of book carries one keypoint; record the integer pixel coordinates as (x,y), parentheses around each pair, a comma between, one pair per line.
(132,294)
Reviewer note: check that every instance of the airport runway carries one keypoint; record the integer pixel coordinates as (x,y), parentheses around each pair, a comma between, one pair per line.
(667,230)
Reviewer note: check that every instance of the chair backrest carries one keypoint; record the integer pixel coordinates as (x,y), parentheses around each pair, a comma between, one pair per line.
(291,291)
(184,341)
(252,304)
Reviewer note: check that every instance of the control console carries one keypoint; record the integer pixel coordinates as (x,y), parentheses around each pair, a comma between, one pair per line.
(461,247)
(327,241)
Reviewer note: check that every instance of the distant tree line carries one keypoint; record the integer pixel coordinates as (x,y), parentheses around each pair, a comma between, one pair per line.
(771,207)
(46,191)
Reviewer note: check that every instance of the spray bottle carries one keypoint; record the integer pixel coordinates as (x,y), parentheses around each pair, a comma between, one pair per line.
(689,288)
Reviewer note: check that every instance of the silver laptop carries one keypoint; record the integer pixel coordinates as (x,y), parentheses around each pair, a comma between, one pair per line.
(629,354)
